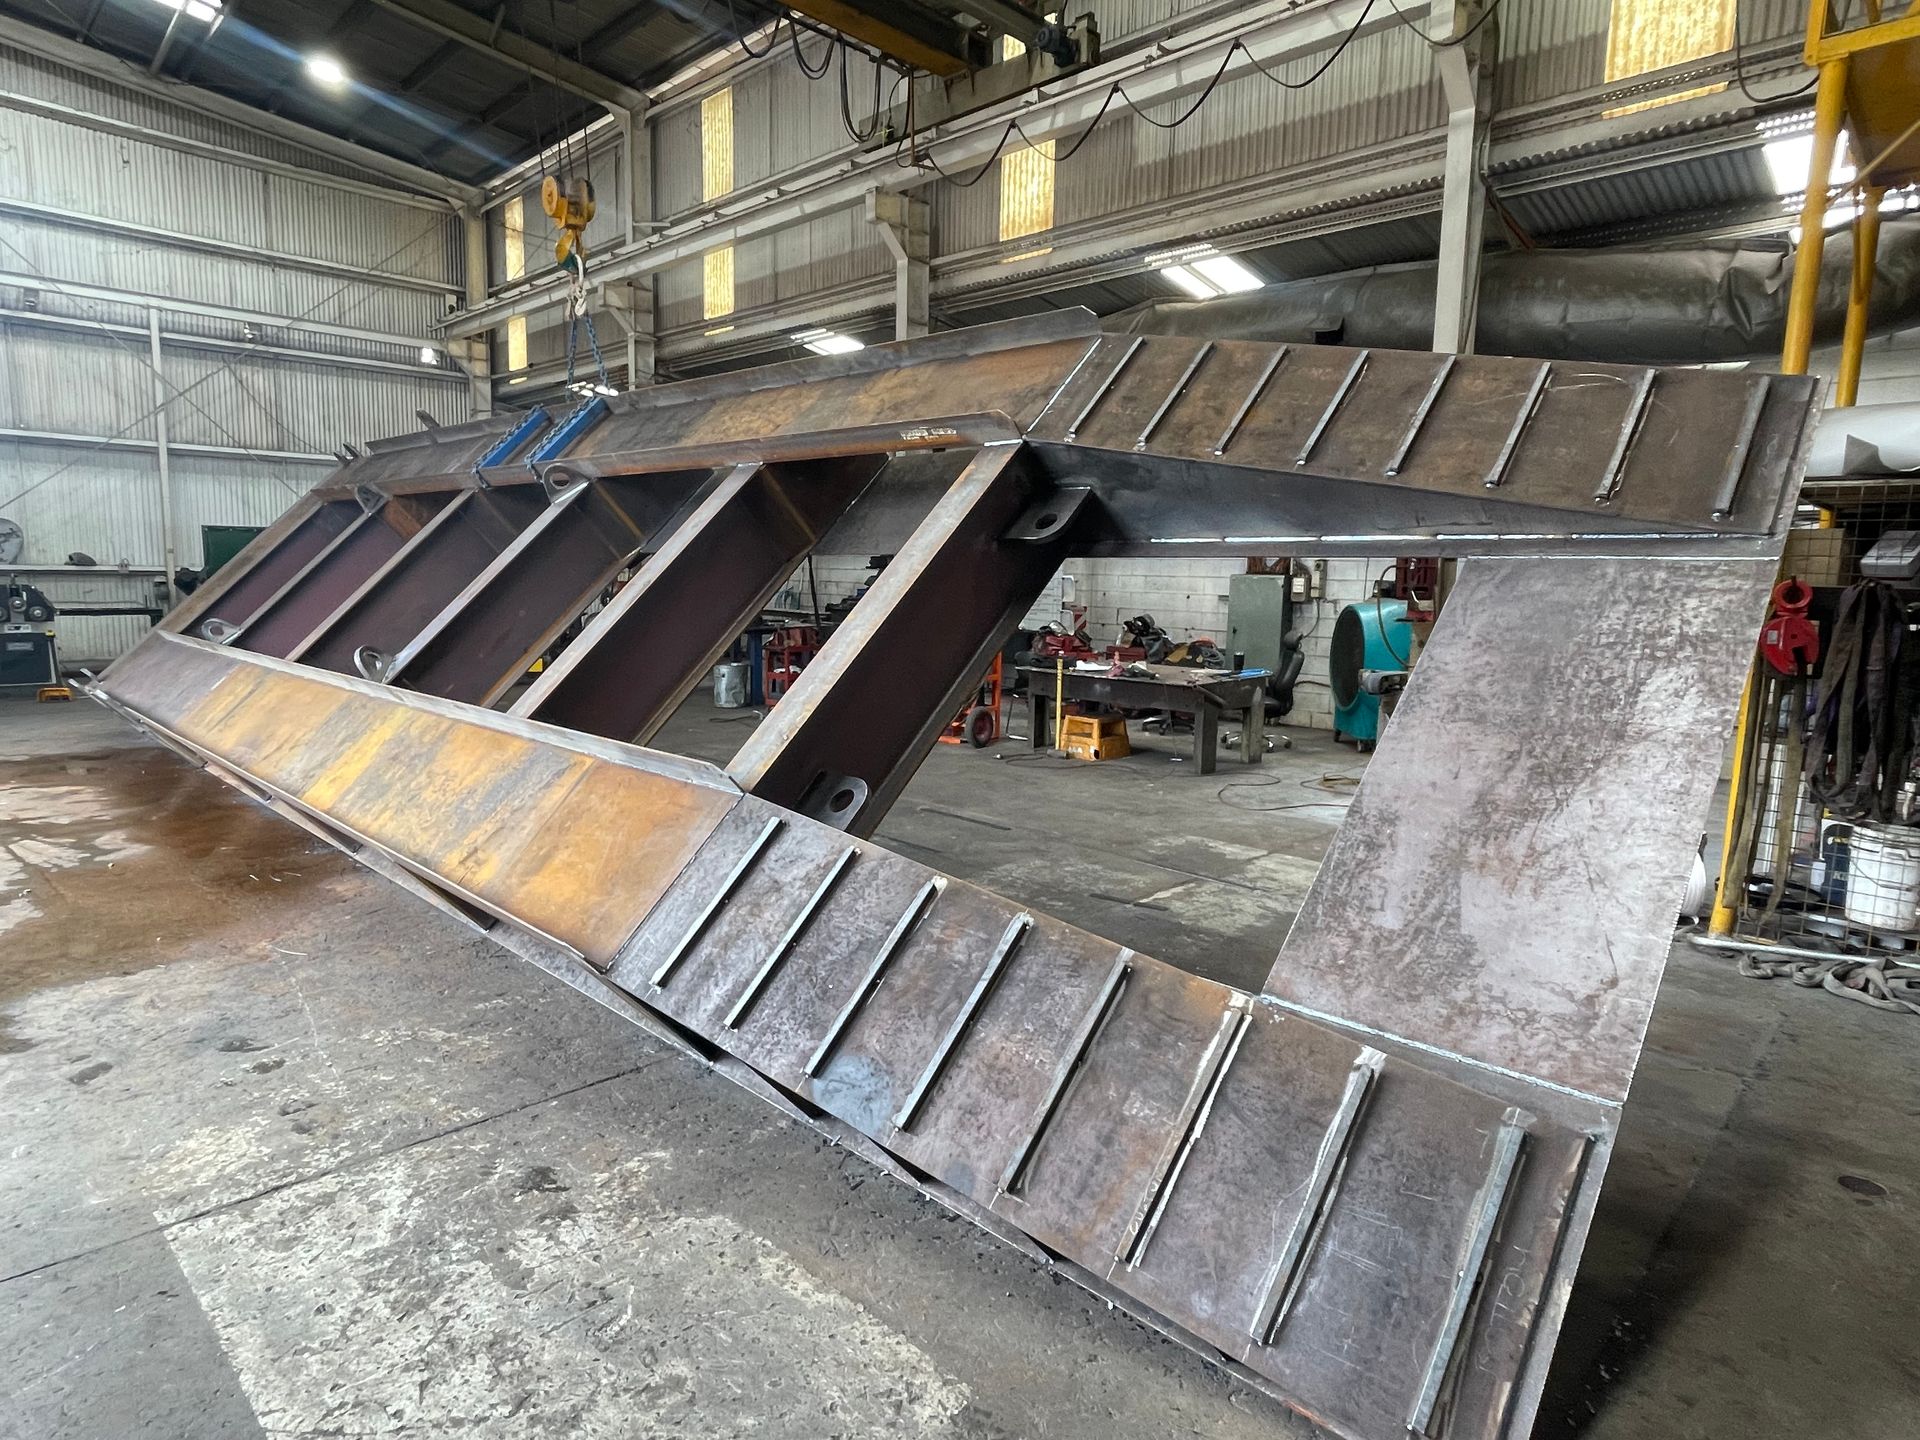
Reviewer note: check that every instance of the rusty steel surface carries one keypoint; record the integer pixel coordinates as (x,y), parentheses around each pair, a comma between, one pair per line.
(1364,1192)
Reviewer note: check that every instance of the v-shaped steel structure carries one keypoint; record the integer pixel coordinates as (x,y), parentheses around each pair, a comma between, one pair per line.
(1364,1191)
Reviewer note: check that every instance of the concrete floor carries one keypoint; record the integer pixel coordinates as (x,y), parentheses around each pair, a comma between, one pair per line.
(285,1152)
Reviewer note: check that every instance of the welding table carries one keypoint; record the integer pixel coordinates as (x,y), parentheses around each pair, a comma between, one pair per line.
(1203,694)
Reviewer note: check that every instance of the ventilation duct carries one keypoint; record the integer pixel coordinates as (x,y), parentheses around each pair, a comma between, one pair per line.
(1715,302)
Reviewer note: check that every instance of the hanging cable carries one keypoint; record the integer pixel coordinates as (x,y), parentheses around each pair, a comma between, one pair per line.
(740,36)
(914,158)
(1199,100)
(799,57)
(1460,39)
(1324,66)
(1740,72)
(1060,156)
(846,101)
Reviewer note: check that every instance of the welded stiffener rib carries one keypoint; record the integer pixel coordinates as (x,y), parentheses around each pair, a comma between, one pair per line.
(910,918)
(1193,1183)
(1308,1221)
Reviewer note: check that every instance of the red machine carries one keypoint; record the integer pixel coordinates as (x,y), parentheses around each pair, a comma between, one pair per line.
(1057,642)
(783,655)
(1790,643)
(1416,580)
(978,724)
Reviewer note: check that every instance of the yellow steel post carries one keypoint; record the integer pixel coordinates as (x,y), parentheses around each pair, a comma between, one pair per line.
(1829,115)
(1744,729)
(1830,108)
(1866,247)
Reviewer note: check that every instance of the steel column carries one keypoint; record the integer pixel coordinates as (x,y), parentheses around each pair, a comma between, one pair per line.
(850,732)
(1829,114)
(1866,249)
(162,455)
(1466,74)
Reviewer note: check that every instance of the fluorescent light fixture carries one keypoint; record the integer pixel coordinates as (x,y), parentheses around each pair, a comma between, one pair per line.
(207,10)
(1204,272)
(429,355)
(1227,274)
(1189,282)
(516,379)
(327,70)
(1789,162)
(827,342)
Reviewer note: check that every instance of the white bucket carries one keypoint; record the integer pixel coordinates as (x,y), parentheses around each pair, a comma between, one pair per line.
(1883,877)
(730,684)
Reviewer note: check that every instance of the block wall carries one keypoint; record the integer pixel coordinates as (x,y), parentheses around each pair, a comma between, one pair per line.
(1186,596)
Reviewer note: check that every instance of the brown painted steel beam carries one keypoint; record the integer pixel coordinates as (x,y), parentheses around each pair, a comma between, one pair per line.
(508,615)
(336,573)
(399,599)
(249,581)
(850,732)
(641,655)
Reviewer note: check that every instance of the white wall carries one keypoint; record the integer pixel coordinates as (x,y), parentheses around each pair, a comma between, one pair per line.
(104,230)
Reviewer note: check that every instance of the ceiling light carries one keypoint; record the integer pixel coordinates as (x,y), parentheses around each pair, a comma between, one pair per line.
(327,70)
(827,342)
(1189,282)
(429,355)
(1204,272)
(1790,161)
(1227,274)
(207,10)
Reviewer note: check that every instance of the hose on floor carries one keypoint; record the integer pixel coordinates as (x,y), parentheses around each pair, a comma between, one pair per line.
(1882,983)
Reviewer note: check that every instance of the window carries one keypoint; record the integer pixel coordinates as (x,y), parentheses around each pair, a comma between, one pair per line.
(1026,176)
(1648,35)
(514,261)
(716,179)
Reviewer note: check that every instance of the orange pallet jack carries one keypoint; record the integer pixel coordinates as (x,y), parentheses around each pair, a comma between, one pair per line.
(978,724)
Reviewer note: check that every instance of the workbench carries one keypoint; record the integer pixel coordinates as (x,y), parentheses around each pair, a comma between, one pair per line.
(1203,694)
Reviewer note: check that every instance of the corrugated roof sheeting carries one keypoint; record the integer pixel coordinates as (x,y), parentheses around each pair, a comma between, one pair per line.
(1697,184)
(677,294)
(1122,19)
(73,168)
(58,255)
(107,505)
(1414,238)
(281,405)
(209,490)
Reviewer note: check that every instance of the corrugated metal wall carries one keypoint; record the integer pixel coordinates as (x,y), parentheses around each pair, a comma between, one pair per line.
(93,379)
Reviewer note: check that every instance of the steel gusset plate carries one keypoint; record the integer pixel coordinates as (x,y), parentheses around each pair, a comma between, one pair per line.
(1363,1192)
